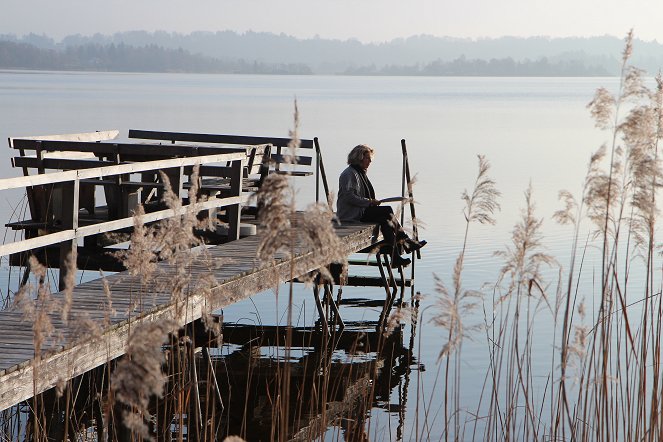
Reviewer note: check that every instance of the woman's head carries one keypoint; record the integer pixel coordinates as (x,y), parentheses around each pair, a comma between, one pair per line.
(358,153)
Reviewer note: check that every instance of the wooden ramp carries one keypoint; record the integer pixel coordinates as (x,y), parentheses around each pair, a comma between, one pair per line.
(72,350)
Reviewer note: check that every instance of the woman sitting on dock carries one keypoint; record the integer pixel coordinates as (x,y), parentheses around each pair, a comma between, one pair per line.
(356,202)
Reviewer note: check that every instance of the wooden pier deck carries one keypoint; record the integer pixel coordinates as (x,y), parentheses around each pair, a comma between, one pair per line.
(72,351)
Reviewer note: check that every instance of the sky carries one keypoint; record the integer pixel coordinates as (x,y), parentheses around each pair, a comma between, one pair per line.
(364,20)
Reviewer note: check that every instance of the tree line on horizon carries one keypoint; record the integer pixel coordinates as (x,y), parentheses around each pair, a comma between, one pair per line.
(125,58)
(255,52)
(503,67)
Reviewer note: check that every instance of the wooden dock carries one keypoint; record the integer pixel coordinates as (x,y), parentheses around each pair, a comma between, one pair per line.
(83,191)
(71,351)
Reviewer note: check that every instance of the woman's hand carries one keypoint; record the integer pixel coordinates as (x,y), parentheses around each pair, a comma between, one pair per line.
(375,202)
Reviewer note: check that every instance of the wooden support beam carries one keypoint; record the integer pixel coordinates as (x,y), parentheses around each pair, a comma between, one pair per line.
(137,152)
(100,135)
(215,138)
(69,248)
(130,168)
(108,226)
(235,211)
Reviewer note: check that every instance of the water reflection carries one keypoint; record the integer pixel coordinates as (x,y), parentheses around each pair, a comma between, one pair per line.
(320,385)
(262,383)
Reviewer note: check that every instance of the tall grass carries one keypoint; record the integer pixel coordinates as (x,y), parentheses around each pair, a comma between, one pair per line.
(604,378)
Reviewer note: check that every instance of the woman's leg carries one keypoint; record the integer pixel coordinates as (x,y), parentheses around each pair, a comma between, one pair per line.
(393,232)
(384,216)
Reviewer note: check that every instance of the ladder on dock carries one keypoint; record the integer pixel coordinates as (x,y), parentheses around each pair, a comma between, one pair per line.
(323,291)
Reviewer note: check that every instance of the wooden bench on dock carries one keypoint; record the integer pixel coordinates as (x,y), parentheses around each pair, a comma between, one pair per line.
(89,161)
(278,158)
(38,155)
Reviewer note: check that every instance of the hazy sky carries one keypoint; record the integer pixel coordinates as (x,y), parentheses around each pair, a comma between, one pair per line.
(365,20)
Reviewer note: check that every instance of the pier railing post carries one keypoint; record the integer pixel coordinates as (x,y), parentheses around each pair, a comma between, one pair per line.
(235,210)
(320,175)
(70,203)
(176,177)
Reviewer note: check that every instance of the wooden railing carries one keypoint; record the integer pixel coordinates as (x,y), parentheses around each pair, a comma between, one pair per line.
(69,230)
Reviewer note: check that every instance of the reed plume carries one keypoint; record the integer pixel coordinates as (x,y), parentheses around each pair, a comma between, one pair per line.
(620,200)
(138,376)
(275,200)
(480,207)
(452,307)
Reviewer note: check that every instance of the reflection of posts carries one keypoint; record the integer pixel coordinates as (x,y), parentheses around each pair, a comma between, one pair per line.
(329,387)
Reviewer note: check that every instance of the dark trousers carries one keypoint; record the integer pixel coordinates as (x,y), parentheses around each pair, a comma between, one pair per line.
(389,225)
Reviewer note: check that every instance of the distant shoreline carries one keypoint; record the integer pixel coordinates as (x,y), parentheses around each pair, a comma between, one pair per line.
(89,71)
(269,54)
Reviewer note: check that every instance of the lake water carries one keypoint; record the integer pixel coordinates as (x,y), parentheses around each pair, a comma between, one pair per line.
(532,130)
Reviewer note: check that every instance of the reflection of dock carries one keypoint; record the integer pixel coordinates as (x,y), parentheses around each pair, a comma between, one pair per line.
(334,381)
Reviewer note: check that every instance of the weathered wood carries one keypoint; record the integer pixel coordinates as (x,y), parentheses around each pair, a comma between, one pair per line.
(130,168)
(69,221)
(74,176)
(214,138)
(109,226)
(322,175)
(59,163)
(235,210)
(102,135)
(77,357)
(233,267)
(293,172)
(297,160)
(139,152)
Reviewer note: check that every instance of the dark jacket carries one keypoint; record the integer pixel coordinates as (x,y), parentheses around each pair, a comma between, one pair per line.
(353,195)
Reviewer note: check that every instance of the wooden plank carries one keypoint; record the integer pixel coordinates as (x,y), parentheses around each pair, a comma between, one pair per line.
(27,224)
(95,172)
(215,138)
(102,135)
(296,160)
(16,384)
(108,226)
(211,171)
(59,163)
(293,172)
(128,150)
(37,242)
(161,164)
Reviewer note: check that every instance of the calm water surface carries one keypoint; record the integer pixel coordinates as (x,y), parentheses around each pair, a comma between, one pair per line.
(534,131)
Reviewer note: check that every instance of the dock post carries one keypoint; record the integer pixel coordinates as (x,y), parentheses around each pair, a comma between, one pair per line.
(235,211)
(321,175)
(70,200)
(176,177)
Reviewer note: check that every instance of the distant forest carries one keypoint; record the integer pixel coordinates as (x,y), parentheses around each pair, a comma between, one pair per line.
(265,53)
(124,58)
(503,67)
